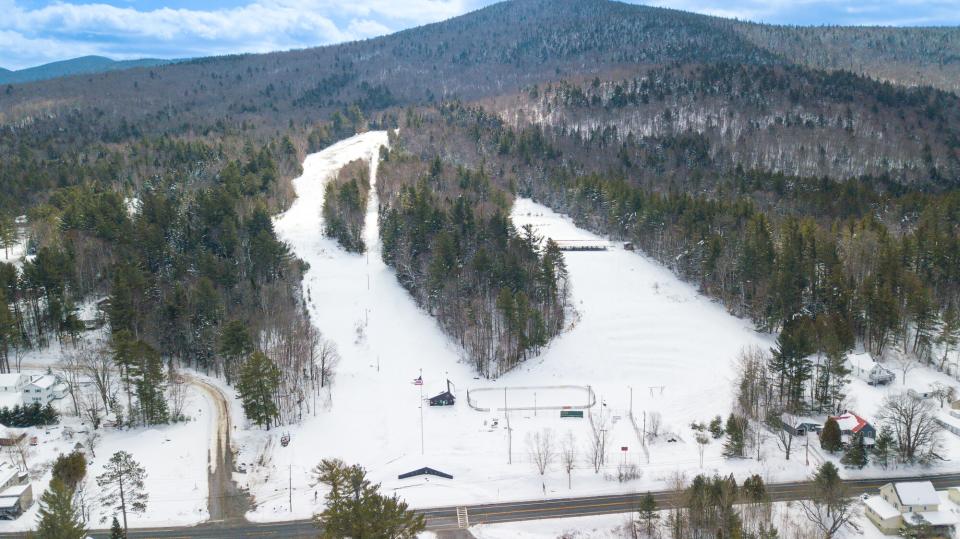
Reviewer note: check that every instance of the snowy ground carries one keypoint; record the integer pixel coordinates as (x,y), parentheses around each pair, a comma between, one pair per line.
(787,518)
(640,337)
(15,254)
(638,327)
(593,527)
(174,457)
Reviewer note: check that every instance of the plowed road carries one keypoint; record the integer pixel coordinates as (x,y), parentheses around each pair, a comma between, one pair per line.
(441,518)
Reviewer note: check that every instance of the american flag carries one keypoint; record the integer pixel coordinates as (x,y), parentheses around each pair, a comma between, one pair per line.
(418,381)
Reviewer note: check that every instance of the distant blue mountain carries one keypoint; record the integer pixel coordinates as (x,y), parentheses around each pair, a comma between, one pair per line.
(78,66)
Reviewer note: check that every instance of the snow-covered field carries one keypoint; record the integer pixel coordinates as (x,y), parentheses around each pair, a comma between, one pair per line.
(638,327)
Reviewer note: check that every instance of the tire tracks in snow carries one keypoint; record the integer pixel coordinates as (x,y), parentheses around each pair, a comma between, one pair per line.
(226,502)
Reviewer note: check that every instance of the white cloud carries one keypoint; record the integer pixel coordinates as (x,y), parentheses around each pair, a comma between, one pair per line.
(842,12)
(32,36)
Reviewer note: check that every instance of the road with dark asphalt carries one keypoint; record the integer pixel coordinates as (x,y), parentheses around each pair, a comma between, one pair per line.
(445,518)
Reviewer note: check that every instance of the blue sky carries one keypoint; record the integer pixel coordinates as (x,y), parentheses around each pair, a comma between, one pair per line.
(34,32)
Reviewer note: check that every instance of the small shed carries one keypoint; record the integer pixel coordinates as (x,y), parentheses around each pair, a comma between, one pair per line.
(444,399)
(15,500)
(10,438)
(799,426)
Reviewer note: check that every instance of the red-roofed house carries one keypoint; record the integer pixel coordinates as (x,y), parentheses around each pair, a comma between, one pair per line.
(851,424)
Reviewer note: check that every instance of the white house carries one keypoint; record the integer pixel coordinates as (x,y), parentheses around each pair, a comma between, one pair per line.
(43,389)
(11,389)
(851,424)
(864,367)
(914,502)
(883,515)
(13,382)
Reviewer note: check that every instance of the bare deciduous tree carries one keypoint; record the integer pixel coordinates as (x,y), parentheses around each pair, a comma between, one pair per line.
(943,393)
(702,441)
(88,401)
(18,451)
(676,518)
(830,507)
(782,430)
(177,395)
(905,364)
(654,422)
(96,364)
(568,456)
(327,358)
(600,435)
(93,440)
(752,382)
(914,426)
(69,369)
(540,447)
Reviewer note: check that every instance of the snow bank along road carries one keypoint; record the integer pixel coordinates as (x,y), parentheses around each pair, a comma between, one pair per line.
(445,517)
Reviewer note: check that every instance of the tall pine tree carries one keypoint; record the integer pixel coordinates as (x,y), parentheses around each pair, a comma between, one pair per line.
(884,447)
(856,455)
(356,508)
(235,344)
(258,382)
(735,444)
(830,437)
(59,517)
(150,383)
(121,485)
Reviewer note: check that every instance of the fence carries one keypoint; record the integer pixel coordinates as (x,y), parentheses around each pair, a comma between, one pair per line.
(591,399)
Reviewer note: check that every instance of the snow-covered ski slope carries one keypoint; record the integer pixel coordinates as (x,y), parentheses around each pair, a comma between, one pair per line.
(637,326)
(641,326)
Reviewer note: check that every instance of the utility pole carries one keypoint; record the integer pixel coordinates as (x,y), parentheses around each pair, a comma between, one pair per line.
(534,404)
(506,416)
(631,400)
(290,485)
(422,450)
(603,444)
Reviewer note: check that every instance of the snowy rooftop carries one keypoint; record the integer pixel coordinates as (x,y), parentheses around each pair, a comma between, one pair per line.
(850,422)
(44,381)
(10,379)
(8,502)
(15,490)
(797,420)
(934,518)
(7,475)
(917,493)
(881,507)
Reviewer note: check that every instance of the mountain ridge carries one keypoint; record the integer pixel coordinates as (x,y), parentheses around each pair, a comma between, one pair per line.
(81,65)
